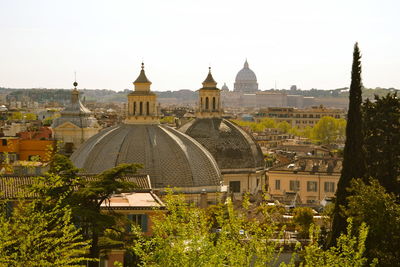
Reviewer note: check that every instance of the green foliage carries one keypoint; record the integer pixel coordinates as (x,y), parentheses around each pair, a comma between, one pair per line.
(188,236)
(47,121)
(16,116)
(371,204)
(382,140)
(30,116)
(20,116)
(284,126)
(32,237)
(168,120)
(268,123)
(303,217)
(329,130)
(85,198)
(349,250)
(353,165)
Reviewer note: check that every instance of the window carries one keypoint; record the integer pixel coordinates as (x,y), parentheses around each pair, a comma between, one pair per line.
(141,108)
(134,108)
(147,108)
(329,187)
(138,219)
(277,184)
(206,103)
(69,147)
(234,186)
(4,142)
(294,185)
(311,186)
(213,103)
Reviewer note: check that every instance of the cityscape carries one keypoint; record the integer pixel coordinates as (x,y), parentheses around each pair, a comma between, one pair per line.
(181,154)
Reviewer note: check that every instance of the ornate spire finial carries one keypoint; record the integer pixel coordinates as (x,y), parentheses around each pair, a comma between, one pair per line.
(246,64)
(142,65)
(75,83)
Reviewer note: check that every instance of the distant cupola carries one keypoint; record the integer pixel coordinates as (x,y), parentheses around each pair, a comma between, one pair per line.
(246,80)
(209,99)
(142,108)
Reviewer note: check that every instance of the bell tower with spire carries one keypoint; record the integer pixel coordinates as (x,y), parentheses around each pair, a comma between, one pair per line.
(209,105)
(142,101)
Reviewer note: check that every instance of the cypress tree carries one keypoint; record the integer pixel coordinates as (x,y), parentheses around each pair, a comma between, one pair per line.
(353,157)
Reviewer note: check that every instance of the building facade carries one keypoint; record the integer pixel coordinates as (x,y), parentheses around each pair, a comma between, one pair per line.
(301,117)
(75,125)
(311,179)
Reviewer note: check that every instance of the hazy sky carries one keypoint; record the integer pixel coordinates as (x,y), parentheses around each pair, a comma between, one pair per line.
(304,42)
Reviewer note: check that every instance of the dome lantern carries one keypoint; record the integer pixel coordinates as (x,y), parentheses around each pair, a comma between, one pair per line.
(142,102)
(209,105)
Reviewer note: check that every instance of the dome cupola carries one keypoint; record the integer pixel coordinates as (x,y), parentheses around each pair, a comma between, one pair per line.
(209,104)
(142,102)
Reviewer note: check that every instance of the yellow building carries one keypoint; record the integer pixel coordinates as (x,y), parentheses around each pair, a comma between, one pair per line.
(142,102)
(301,117)
(312,179)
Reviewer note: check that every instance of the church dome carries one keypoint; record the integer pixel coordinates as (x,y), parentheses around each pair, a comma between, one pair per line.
(169,157)
(76,113)
(246,80)
(224,87)
(231,146)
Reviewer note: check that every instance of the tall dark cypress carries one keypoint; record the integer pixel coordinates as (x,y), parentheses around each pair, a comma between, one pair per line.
(353,157)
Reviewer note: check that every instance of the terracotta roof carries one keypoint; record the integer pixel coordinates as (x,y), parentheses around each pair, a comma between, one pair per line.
(312,165)
(13,186)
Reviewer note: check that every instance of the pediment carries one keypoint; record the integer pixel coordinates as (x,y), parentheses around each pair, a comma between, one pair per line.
(67,125)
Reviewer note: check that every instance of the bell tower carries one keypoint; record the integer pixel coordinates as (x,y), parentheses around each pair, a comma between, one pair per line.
(142,108)
(209,105)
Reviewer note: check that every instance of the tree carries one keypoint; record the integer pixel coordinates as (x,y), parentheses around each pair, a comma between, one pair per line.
(85,198)
(382,140)
(219,236)
(326,130)
(32,237)
(329,130)
(268,123)
(303,217)
(16,116)
(353,165)
(284,126)
(348,252)
(30,116)
(372,205)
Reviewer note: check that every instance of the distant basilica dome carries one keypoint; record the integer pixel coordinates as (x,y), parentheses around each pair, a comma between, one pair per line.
(246,80)
(169,157)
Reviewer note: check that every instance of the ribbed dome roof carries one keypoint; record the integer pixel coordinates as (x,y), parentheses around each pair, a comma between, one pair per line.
(230,145)
(246,74)
(169,157)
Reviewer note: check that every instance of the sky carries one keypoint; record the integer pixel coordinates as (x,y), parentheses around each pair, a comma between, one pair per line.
(308,43)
